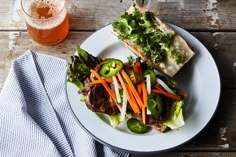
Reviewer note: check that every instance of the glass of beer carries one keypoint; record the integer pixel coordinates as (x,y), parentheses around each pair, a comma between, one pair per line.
(47,20)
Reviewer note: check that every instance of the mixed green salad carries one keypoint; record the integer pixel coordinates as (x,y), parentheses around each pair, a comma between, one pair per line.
(133,93)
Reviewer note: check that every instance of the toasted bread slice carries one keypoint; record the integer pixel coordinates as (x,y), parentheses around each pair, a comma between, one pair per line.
(169,67)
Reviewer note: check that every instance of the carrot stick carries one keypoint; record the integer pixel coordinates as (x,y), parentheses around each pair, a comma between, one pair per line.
(145,97)
(171,96)
(144,115)
(133,105)
(131,86)
(131,96)
(139,89)
(145,94)
(108,89)
(108,80)
(137,68)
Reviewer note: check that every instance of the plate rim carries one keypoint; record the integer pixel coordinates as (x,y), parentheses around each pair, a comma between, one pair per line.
(154,151)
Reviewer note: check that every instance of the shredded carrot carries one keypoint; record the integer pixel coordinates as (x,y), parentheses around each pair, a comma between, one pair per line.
(108,80)
(139,89)
(137,68)
(133,105)
(108,89)
(145,94)
(131,96)
(145,97)
(164,93)
(144,115)
(131,86)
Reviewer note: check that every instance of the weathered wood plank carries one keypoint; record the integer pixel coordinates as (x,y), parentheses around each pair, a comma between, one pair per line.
(91,15)
(220,133)
(14,44)
(222,47)
(191,154)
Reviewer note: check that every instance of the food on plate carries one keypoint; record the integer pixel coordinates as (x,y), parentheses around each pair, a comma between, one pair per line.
(152,40)
(130,92)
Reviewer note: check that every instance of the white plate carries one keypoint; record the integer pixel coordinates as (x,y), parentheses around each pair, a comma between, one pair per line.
(199,78)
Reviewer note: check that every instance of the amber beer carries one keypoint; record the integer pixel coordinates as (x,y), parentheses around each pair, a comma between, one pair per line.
(47,20)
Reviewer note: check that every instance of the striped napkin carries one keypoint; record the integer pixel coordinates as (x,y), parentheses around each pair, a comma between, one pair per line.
(35,117)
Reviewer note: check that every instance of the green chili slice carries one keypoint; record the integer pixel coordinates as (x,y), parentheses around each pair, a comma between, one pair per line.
(155,104)
(111,68)
(136,126)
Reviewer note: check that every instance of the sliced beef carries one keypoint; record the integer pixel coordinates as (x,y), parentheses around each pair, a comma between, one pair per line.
(160,128)
(150,119)
(153,121)
(98,100)
(87,83)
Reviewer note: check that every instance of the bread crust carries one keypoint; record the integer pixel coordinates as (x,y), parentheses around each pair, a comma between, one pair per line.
(169,67)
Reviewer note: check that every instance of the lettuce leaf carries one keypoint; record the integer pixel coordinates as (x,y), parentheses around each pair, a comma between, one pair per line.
(114,120)
(176,119)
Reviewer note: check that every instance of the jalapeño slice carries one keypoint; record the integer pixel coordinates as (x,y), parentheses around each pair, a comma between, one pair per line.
(136,126)
(155,104)
(111,68)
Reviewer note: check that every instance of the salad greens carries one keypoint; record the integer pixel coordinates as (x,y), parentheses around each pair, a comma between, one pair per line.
(139,88)
(79,68)
(143,30)
(176,119)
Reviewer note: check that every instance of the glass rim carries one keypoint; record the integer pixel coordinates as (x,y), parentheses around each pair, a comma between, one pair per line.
(25,12)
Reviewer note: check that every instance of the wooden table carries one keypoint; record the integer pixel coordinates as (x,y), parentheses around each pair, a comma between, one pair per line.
(213,22)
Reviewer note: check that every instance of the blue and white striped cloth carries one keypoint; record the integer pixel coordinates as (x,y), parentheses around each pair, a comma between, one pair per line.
(35,117)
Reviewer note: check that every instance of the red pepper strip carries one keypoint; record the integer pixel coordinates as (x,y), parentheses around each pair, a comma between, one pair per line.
(171,96)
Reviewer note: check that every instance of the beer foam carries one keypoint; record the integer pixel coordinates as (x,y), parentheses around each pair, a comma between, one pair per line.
(56,14)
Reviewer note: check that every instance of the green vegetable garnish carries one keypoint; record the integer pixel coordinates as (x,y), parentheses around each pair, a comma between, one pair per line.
(152,75)
(176,119)
(155,104)
(111,68)
(136,126)
(132,61)
(79,68)
(143,30)
(170,83)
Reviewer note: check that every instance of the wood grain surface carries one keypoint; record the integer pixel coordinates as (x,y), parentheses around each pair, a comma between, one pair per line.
(93,14)
(213,22)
